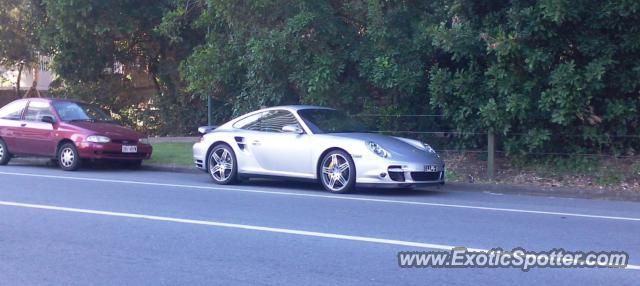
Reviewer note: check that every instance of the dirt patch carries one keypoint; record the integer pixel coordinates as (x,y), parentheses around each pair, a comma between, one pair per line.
(604,173)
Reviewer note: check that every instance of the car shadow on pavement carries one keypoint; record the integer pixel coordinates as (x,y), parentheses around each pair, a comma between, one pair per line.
(315,187)
(40,163)
(311,186)
(44,163)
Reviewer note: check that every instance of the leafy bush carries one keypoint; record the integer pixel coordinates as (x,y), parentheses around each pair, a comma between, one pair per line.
(545,76)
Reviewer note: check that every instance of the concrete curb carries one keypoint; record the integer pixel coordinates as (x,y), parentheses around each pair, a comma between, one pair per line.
(145,166)
(530,190)
(169,168)
(526,190)
(186,139)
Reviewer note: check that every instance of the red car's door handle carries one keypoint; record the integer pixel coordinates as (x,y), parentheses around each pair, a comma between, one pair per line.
(23,124)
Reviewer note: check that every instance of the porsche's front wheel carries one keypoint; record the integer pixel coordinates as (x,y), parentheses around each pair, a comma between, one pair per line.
(222,165)
(337,172)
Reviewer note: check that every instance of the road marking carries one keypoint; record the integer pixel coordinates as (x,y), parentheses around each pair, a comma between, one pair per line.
(253,228)
(236,226)
(334,197)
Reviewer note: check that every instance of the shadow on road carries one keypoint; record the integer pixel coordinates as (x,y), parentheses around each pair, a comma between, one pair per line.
(285,185)
(315,187)
(43,163)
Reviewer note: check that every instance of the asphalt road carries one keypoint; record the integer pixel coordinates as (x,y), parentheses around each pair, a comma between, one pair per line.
(109,226)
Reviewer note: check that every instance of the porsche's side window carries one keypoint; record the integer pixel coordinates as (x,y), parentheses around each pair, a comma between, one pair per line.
(274,120)
(250,122)
(13,111)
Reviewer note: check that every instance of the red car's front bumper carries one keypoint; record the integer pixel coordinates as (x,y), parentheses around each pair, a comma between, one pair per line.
(113,151)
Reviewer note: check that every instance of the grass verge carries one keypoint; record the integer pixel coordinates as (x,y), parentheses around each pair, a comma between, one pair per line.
(176,154)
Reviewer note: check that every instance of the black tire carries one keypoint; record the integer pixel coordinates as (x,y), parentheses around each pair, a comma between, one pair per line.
(222,176)
(68,157)
(5,156)
(325,178)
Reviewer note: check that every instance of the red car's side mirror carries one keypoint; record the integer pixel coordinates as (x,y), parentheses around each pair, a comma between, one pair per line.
(48,119)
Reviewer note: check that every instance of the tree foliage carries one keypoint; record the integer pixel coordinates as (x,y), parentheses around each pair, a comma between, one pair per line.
(89,38)
(556,74)
(362,56)
(550,75)
(20,20)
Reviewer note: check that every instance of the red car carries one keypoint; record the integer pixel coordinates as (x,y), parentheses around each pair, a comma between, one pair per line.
(67,131)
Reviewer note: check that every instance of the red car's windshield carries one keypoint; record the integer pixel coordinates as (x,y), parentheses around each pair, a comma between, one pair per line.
(76,111)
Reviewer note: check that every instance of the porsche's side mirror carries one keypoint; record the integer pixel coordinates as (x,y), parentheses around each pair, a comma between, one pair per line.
(292,128)
(206,129)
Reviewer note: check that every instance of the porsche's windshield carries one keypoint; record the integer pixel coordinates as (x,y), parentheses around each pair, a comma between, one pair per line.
(77,111)
(330,121)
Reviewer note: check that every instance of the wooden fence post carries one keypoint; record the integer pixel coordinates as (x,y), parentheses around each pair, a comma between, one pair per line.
(491,150)
(209,111)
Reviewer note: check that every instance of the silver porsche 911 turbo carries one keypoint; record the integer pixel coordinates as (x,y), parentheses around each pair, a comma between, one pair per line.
(315,143)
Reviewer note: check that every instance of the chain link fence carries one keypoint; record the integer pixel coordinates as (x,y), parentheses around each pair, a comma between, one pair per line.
(483,154)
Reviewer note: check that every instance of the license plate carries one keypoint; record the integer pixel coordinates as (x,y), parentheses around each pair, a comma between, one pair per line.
(129,149)
(430,168)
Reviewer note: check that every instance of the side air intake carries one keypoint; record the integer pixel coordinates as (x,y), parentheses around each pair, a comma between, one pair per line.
(240,142)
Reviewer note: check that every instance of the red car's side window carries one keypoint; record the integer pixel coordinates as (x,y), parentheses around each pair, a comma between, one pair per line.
(13,111)
(37,110)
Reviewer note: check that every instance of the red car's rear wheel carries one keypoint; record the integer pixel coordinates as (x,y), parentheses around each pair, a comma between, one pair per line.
(5,156)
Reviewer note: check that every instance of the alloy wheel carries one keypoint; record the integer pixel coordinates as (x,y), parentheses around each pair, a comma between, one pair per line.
(220,164)
(336,172)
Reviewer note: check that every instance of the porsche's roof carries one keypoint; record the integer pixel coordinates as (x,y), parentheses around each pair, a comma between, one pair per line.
(294,108)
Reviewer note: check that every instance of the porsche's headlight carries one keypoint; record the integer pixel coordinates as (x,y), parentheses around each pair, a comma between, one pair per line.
(375,148)
(144,140)
(428,148)
(98,139)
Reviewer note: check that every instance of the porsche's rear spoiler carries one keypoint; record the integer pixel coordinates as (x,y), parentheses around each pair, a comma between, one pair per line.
(206,129)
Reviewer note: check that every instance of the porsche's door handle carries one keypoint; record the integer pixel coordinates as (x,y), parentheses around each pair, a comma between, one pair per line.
(255,143)
(23,124)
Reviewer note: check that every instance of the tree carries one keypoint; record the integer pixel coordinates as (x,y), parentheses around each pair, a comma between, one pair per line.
(335,53)
(19,42)
(88,38)
(555,75)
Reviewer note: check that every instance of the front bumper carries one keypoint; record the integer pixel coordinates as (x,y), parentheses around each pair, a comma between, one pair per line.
(380,173)
(200,155)
(112,151)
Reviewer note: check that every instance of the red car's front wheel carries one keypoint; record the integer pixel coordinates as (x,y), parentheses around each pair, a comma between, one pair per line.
(68,157)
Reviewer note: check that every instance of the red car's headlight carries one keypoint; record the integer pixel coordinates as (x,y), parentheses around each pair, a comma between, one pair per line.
(98,139)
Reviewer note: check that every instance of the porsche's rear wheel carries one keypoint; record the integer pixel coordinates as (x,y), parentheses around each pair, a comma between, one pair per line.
(337,172)
(5,156)
(222,165)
